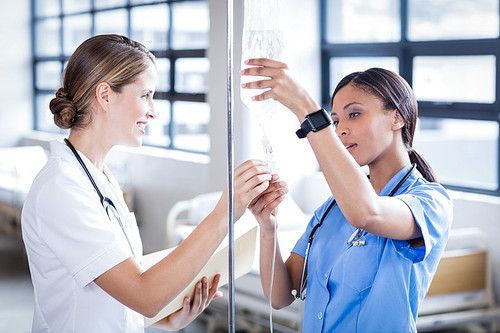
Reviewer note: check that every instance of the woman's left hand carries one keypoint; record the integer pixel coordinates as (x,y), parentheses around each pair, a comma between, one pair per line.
(281,85)
(203,295)
(263,207)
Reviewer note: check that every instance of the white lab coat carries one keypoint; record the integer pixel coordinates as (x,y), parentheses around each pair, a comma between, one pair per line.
(70,241)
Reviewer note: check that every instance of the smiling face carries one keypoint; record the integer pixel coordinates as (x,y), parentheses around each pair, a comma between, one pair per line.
(366,129)
(131,109)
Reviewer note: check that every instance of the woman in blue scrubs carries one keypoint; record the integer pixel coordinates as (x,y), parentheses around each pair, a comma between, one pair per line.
(368,255)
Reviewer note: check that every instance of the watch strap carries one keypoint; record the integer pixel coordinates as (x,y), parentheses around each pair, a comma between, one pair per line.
(308,124)
(304,129)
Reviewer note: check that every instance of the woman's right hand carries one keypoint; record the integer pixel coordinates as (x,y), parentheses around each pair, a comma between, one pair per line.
(280,85)
(251,179)
(264,206)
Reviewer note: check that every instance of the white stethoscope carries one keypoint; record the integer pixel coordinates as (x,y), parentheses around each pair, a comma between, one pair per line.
(106,202)
(356,239)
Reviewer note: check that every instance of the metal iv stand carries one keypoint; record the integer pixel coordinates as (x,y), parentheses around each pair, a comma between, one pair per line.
(230,182)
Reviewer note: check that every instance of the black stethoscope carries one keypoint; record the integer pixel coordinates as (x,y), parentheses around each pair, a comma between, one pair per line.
(356,239)
(106,202)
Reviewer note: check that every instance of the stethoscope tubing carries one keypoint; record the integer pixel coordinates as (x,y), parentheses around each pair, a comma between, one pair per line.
(355,237)
(102,198)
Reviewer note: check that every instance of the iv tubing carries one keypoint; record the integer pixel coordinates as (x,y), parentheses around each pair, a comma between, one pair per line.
(230,182)
(272,270)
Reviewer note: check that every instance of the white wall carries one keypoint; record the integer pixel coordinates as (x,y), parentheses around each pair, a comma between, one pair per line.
(15,71)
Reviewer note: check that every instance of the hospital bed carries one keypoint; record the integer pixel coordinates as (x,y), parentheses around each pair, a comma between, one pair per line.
(460,295)
(18,168)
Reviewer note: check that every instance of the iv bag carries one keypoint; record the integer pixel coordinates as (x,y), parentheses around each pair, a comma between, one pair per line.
(262,38)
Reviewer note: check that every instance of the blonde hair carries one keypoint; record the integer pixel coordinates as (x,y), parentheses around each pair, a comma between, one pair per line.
(111,58)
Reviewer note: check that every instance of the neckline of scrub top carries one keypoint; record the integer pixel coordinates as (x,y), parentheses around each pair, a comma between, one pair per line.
(395,179)
(101,178)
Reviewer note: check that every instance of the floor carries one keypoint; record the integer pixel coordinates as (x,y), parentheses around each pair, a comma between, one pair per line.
(16,290)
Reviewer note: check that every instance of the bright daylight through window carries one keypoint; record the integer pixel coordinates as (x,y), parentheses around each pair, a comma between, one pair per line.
(175,31)
(448,51)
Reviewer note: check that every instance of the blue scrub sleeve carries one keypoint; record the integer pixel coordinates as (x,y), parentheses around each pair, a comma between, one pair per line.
(301,245)
(432,210)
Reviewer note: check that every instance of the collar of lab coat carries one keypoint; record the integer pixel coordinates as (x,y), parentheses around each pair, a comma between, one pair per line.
(61,150)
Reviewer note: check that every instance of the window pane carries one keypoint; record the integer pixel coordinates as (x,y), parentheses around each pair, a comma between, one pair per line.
(150,26)
(157,133)
(163,67)
(109,3)
(461,152)
(191,25)
(47,42)
(191,75)
(340,67)
(76,30)
(47,8)
(350,21)
(48,75)
(457,19)
(191,120)
(75,6)
(455,78)
(111,22)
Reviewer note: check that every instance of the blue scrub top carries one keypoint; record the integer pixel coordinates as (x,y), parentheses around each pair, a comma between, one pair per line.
(379,286)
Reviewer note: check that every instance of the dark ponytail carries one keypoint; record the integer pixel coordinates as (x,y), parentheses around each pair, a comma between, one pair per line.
(423,166)
(397,94)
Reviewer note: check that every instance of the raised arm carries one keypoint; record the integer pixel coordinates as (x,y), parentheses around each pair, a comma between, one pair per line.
(148,292)
(360,204)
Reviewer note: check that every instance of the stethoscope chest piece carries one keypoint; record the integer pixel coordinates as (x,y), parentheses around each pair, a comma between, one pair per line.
(356,238)
(359,243)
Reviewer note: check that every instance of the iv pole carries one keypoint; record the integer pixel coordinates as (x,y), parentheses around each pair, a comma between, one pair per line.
(230,183)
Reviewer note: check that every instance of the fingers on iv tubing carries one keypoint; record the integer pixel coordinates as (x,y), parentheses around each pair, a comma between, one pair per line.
(276,187)
(269,201)
(258,183)
(273,205)
(252,167)
(254,174)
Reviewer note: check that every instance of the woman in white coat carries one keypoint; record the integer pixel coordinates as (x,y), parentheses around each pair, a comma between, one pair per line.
(83,245)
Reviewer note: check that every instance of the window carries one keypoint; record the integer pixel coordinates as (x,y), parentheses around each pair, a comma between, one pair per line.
(176,32)
(448,52)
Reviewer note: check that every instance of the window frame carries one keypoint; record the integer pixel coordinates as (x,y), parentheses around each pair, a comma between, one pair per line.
(172,55)
(405,50)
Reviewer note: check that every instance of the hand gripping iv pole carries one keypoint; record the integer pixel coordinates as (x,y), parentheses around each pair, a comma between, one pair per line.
(229,62)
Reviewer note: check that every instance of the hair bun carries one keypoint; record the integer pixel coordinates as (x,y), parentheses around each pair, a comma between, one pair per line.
(63,109)
(62,93)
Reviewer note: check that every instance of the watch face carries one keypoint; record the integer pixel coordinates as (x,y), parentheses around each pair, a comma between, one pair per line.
(319,119)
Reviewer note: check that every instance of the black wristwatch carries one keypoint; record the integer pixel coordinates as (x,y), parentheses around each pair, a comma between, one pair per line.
(315,121)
